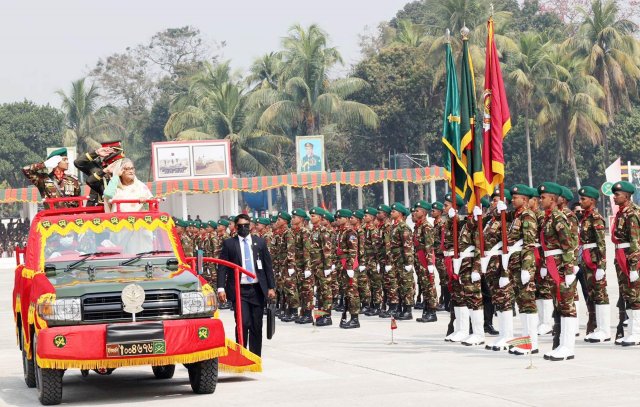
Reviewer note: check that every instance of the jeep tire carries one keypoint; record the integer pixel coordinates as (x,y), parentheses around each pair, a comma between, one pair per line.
(203,376)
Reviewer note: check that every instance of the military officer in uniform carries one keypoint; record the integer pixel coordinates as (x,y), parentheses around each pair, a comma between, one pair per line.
(400,257)
(321,248)
(347,251)
(310,161)
(424,261)
(54,184)
(94,165)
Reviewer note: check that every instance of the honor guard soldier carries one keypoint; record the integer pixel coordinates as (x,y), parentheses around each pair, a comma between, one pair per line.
(389,280)
(347,251)
(400,257)
(54,184)
(372,242)
(438,233)
(363,279)
(302,254)
(321,255)
(424,260)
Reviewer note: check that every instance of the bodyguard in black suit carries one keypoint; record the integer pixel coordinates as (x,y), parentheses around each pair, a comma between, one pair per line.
(251,253)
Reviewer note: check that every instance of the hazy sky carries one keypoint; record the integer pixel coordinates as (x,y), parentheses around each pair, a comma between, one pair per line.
(44,45)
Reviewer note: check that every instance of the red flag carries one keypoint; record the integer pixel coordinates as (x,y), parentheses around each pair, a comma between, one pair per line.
(496,122)
(523,342)
(394,324)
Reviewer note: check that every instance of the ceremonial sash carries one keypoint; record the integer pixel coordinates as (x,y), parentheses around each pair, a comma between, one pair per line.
(621,256)
(550,262)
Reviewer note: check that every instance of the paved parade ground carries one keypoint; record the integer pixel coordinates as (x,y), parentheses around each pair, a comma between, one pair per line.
(306,366)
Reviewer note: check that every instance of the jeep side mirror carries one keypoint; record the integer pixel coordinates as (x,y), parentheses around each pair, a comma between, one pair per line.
(49,270)
(172,264)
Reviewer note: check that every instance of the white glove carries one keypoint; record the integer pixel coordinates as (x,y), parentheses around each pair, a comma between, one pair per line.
(333,267)
(633,276)
(599,274)
(327,272)
(503,281)
(475,276)
(576,269)
(501,206)
(431,268)
(477,211)
(451,212)
(387,269)
(307,273)
(543,272)
(291,271)
(361,268)
(350,273)
(525,277)
(569,279)
(378,268)
(408,267)
(53,161)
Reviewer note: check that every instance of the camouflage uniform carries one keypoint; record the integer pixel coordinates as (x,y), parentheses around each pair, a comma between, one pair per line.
(438,249)
(347,250)
(278,266)
(51,187)
(364,290)
(320,258)
(372,241)
(592,230)
(423,241)
(471,291)
(288,261)
(302,255)
(626,229)
(501,298)
(389,279)
(187,244)
(524,227)
(545,287)
(401,254)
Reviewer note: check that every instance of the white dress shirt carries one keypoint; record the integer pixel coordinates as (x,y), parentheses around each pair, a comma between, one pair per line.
(244,279)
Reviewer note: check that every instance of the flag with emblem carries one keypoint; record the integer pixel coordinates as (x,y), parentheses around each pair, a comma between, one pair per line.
(496,121)
(522,342)
(452,156)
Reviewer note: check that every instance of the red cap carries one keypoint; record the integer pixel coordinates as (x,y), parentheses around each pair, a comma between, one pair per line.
(117,146)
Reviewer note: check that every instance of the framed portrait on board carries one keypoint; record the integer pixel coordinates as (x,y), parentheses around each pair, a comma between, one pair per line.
(310,154)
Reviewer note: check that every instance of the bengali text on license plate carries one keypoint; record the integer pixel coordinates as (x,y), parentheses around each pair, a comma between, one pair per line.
(136,349)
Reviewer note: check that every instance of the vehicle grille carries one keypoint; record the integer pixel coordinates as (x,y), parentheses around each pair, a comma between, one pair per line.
(158,304)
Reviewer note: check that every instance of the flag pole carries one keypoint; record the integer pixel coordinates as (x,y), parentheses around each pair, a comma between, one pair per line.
(454,194)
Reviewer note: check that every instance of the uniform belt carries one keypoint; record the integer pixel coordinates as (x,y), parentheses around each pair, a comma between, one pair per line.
(448,253)
(468,252)
(536,245)
(555,252)
(623,245)
(590,246)
(516,247)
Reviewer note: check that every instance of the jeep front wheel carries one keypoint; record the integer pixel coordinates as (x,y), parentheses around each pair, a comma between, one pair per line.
(48,382)
(203,376)
(28,368)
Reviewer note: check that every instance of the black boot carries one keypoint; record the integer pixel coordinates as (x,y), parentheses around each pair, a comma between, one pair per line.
(419,305)
(290,315)
(397,311)
(447,299)
(353,323)
(428,316)
(488,321)
(365,310)
(340,306)
(324,320)
(387,313)
(373,311)
(405,313)
(305,318)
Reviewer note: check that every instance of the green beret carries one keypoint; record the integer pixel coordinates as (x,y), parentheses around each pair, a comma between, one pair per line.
(521,189)
(359,214)
(623,186)
(422,204)
(384,208)
(264,221)
(232,218)
(566,193)
(181,223)
(327,215)
(459,200)
(589,192)
(224,222)
(439,206)
(397,206)
(284,215)
(300,212)
(550,188)
(370,211)
(485,202)
(330,217)
(343,213)
(212,223)
(60,151)
(201,225)
(316,210)
(274,218)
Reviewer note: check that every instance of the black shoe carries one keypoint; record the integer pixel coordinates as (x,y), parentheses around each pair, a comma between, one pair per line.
(305,318)
(428,316)
(290,315)
(419,305)
(440,307)
(365,310)
(340,306)
(353,323)
(490,330)
(387,313)
(324,320)
(405,313)
(373,311)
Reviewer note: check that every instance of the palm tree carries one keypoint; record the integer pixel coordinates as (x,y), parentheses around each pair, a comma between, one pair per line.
(216,107)
(87,124)
(266,71)
(611,55)
(409,34)
(530,67)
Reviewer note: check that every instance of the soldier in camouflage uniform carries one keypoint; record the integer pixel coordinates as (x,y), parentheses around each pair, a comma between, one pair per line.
(594,262)
(54,184)
(439,223)
(321,257)
(424,260)
(401,257)
(347,251)
(287,261)
(545,288)
(210,241)
(304,272)
(626,237)
(559,251)
(389,279)
(185,240)
(93,165)
(364,290)
(369,259)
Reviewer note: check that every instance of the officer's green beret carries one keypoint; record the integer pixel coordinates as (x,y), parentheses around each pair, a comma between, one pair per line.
(224,222)
(550,188)
(344,213)
(507,194)
(422,204)
(521,189)
(232,218)
(264,221)
(201,225)
(384,208)
(60,151)
(284,215)
(300,212)
(316,210)
(326,215)
(439,206)
(359,213)
(212,223)
(623,186)
(397,206)
(589,192)
(566,193)
(459,200)
(181,223)
(274,218)
(330,217)
(485,202)
(370,211)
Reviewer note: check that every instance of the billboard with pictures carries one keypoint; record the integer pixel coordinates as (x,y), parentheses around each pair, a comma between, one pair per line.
(191,159)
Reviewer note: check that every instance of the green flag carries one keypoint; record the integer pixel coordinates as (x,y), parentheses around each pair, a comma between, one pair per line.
(451,129)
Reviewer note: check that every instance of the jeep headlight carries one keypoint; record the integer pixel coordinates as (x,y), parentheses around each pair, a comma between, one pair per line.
(60,309)
(196,302)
